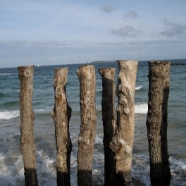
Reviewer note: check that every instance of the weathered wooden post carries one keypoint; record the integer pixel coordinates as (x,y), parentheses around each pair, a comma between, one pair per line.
(27,145)
(122,142)
(159,80)
(87,78)
(61,115)
(109,122)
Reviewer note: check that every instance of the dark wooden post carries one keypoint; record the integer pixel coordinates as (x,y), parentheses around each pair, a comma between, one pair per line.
(109,122)
(27,144)
(122,143)
(61,115)
(87,78)
(159,80)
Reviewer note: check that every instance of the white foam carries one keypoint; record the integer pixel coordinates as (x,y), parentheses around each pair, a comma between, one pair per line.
(46,169)
(12,172)
(43,111)
(178,171)
(141,108)
(98,107)
(141,169)
(6,115)
(5,74)
(138,88)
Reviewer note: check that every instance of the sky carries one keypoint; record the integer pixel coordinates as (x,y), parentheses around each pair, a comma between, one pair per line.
(48,32)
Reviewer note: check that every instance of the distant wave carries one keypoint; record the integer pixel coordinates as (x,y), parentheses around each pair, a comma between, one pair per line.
(138,88)
(5,74)
(47,110)
(6,115)
(141,108)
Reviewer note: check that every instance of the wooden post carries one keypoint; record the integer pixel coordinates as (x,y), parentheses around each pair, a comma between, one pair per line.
(122,142)
(159,80)
(87,78)
(109,122)
(26,125)
(61,115)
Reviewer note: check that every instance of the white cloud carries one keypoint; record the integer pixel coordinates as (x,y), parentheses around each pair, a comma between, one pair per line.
(127,31)
(173,30)
(108,8)
(130,15)
(54,20)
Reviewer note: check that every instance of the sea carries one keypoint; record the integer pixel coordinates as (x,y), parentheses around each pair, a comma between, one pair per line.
(11,163)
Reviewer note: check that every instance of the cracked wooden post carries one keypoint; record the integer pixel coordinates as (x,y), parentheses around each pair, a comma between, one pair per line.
(27,144)
(122,142)
(61,115)
(109,122)
(159,82)
(87,78)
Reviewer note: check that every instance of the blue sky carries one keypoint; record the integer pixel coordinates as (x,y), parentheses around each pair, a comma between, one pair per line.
(78,31)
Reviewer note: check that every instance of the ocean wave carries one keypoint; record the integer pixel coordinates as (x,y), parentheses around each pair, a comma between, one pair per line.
(141,169)
(5,74)
(47,110)
(6,115)
(141,108)
(138,87)
(178,171)
(13,172)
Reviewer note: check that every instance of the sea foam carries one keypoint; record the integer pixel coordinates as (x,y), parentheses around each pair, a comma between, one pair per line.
(138,87)
(5,74)
(11,174)
(141,108)
(6,115)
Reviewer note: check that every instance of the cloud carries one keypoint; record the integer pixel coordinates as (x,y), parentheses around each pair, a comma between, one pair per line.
(108,8)
(174,30)
(51,20)
(130,15)
(127,31)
